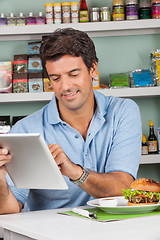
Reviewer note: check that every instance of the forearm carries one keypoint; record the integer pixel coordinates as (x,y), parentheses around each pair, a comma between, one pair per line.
(106,185)
(8,202)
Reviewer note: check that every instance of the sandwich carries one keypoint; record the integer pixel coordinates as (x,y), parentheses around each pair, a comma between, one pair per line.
(143,191)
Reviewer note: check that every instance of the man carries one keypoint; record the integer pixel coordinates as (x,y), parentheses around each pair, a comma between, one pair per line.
(95,140)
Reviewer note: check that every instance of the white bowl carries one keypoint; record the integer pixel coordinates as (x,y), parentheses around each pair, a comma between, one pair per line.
(108,202)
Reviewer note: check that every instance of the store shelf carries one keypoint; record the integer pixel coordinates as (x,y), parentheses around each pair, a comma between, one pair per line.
(98,29)
(25,97)
(47,96)
(132,92)
(150,159)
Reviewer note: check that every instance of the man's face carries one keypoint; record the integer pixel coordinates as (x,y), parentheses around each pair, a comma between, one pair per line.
(71,81)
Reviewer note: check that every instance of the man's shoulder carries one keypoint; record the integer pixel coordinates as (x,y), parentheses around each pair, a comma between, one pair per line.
(113,102)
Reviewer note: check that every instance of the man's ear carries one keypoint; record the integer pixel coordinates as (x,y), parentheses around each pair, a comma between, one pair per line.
(93,70)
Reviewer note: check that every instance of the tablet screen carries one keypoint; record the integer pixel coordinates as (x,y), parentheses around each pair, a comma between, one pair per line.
(32,165)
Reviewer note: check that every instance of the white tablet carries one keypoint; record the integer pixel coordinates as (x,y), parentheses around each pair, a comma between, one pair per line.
(32,165)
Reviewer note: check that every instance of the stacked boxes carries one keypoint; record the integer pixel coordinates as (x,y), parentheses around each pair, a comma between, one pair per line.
(35,82)
(6,77)
(35,68)
(20,79)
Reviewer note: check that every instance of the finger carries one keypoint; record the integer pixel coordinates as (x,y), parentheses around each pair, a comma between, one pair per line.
(56,153)
(3,151)
(5,157)
(53,147)
(3,162)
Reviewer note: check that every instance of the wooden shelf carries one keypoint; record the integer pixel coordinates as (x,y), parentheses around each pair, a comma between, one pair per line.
(150,159)
(97,29)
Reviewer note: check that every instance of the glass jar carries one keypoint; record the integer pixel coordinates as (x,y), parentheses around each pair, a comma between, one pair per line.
(105,14)
(66,12)
(94,15)
(155,9)
(131,9)
(57,12)
(74,12)
(118,10)
(49,13)
(145,9)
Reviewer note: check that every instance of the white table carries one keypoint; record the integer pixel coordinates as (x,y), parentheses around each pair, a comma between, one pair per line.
(47,225)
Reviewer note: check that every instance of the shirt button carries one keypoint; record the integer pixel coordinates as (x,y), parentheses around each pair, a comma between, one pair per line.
(89,134)
(86,154)
(76,136)
(64,124)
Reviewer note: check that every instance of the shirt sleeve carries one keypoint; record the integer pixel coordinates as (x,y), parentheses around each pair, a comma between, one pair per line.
(20,194)
(125,152)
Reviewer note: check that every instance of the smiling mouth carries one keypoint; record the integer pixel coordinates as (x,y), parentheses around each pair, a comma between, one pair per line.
(70,95)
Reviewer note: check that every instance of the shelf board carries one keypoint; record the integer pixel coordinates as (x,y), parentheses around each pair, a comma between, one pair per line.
(96,29)
(25,97)
(150,159)
(47,96)
(132,92)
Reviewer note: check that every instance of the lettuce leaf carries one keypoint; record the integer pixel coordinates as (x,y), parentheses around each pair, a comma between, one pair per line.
(131,193)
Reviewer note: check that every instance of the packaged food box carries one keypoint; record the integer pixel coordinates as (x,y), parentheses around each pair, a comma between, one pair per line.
(20,83)
(96,84)
(34,63)
(6,77)
(4,124)
(35,82)
(46,83)
(20,64)
(33,47)
(119,80)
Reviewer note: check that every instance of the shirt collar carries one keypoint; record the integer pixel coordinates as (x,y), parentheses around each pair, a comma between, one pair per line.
(102,104)
(53,114)
(101,110)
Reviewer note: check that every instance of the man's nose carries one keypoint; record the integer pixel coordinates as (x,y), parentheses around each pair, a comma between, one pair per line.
(65,83)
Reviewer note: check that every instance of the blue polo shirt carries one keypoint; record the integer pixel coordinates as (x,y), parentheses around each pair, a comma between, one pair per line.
(113,143)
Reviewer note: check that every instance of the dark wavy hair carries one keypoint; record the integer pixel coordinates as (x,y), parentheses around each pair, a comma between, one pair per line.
(68,41)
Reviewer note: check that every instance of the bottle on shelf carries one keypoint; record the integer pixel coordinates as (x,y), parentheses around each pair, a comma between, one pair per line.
(3,19)
(152,140)
(30,19)
(11,20)
(144,145)
(118,10)
(83,12)
(131,9)
(155,9)
(145,9)
(21,20)
(40,19)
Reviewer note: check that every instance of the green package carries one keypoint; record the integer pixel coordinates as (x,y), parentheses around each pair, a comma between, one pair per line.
(119,80)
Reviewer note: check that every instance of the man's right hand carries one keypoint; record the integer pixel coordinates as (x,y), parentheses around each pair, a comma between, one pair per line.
(8,202)
(5,157)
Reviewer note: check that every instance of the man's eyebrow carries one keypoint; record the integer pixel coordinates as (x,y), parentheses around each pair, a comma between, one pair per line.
(51,75)
(74,70)
(57,75)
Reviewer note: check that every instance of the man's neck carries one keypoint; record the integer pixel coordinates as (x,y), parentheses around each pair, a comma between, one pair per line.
(79,119)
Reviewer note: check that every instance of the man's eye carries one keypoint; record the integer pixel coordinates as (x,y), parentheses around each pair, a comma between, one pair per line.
(74,74)
(54,79)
